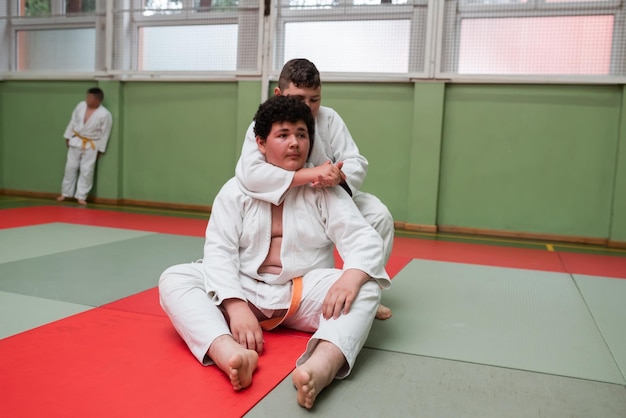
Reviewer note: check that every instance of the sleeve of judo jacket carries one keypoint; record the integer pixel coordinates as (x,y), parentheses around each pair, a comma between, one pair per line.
(105,132)
(357,242)
(259,179)
(221,249)
(343,148)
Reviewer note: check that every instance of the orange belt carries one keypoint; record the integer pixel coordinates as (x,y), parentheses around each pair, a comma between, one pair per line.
(85,141)
(296,297)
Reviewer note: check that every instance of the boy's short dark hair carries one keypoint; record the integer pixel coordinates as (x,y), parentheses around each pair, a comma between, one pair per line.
(97,92)
(301,72)
(283,109)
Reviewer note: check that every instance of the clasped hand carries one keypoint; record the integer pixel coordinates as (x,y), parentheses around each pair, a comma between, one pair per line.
(328,175)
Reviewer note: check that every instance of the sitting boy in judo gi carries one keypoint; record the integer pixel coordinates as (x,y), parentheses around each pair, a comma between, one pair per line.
(267,264)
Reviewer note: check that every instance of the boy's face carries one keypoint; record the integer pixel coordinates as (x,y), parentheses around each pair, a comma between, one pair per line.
(310,97)
(92,100)
(287,145)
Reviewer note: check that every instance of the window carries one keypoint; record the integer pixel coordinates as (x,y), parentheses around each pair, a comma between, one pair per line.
(358,46)
(42,8)
(188,48)
(71,50)
(58,36)
(533,38)
(369,40)
(353,36)
(536,45)
(193,36)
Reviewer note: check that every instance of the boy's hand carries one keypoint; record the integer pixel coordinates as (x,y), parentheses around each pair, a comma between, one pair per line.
(328,175)
(244,325)
(340,296)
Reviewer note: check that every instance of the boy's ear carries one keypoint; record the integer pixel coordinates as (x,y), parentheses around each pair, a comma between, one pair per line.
(277,91)
(260,142)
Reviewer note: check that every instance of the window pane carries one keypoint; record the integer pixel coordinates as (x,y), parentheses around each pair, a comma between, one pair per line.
(162,7)
(538,45)
(80,6)
(357,46)
(493,1)
(56,49)
(313,4)
(204,5)
(374,2)
(34,7)
(325,4)
(188,48)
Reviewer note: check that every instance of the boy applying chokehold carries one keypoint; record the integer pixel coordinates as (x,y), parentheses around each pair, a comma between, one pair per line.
(335,157)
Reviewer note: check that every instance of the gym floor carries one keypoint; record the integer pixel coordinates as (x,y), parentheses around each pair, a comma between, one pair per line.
(481,327)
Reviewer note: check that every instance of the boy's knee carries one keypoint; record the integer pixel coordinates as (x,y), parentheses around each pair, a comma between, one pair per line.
(173,277)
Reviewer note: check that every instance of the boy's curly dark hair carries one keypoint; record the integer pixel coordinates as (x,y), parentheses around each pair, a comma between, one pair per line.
(283,109)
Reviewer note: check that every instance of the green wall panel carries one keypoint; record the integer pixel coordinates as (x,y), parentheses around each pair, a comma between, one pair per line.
(537,159)
(2,164)
(425,154)
(35,115)
(107,181)
(248,100)
(178,141)
(618,222)
(380,119)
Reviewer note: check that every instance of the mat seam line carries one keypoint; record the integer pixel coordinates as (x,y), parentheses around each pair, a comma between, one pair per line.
(597,325)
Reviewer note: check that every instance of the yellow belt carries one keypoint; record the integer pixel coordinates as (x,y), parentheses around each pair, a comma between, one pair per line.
(85,141)
(296,297)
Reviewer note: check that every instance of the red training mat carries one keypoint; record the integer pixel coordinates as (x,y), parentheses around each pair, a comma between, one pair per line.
(35,215)
(488,255)
(594,264)
(109,363)
(146,302)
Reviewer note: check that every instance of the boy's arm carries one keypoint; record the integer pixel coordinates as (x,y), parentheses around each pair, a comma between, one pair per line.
(221,267)
(358,244)
(221,248)
(69,130)
(264,181)
(345,149)
(256,177)
(105,132)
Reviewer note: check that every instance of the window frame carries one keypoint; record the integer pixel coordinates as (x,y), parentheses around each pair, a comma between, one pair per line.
(112,30)
(412,11)
(534,8)
(58,21)
(188,16)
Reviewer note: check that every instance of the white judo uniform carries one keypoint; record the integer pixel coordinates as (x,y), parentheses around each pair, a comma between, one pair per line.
(332,142)
(237,242)
(86,139)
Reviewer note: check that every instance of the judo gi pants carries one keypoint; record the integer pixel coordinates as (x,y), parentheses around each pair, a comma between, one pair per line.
(199,321)
(376,214)
(80,163)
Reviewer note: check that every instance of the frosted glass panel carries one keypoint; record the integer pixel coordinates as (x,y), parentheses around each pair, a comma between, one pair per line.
(188,48)
(351,46)
(539,45)
(56,50)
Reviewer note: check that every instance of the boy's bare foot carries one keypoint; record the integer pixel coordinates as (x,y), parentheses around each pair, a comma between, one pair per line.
(307,389)
(60,198)
(236,361)
(317,372)
(241,366)
(383,312)
(82,202)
